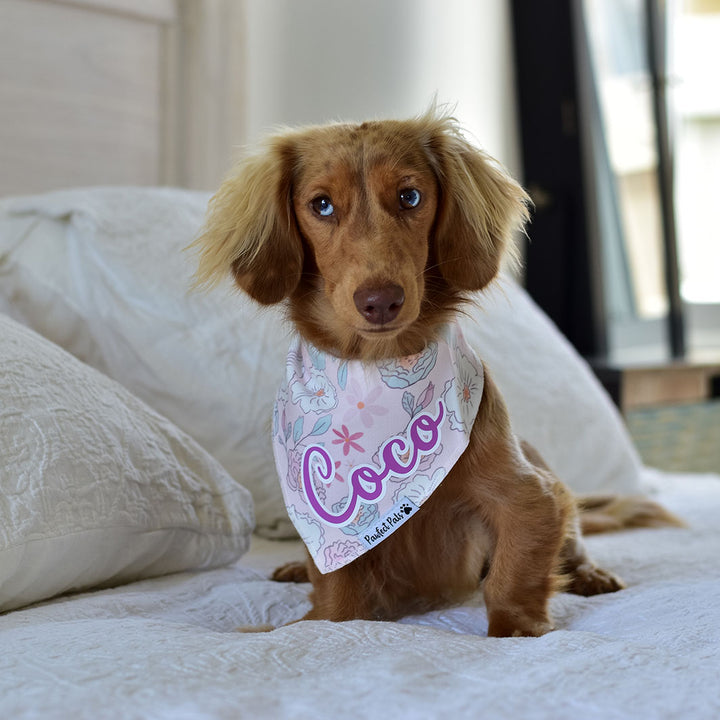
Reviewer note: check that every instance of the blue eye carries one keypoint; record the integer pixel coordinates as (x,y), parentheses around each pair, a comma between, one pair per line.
(409,198)
(322,206)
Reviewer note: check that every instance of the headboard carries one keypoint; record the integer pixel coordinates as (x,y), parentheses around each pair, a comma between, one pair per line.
(103,92)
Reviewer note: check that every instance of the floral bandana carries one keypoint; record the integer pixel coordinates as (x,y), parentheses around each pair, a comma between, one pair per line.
(360,447)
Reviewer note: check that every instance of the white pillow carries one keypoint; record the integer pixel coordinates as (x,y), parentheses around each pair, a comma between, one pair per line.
(96,489)
(103,273)
(555,401)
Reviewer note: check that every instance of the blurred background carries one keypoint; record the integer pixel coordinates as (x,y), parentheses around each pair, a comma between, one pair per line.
(607,110)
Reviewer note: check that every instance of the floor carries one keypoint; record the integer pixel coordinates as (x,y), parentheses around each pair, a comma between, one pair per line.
(678,437)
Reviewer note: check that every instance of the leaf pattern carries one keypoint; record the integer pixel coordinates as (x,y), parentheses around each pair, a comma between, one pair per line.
(408,402)
(322,425)
(298,428)
(318,358)
(342,375)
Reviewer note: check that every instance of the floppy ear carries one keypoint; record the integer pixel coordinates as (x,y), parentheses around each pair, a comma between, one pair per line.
(250,229)
(480,209)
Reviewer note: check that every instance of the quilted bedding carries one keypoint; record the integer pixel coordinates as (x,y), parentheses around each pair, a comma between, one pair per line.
(166,647)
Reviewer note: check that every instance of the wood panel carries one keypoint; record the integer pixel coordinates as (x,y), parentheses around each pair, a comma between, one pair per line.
(670,384)
(99,92)
(81,92)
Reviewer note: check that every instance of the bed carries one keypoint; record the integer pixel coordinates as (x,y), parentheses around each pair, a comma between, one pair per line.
(140,516)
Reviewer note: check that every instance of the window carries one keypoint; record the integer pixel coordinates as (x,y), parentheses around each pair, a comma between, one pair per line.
(598,121)
(694,40)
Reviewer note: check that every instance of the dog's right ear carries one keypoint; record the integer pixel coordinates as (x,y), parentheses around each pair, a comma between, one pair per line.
(480,207)
(251,229)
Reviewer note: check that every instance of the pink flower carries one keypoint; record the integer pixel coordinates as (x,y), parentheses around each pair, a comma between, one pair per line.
(347,440)
(363,406)
(408,361)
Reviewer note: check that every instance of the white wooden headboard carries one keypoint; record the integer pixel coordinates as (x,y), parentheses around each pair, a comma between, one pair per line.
(98,92)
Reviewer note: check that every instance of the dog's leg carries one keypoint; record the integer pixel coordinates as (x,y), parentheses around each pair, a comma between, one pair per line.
(605,514)
(334,596)
(523,571)
(295,572)
(339,596)
(582,575)
(526,511)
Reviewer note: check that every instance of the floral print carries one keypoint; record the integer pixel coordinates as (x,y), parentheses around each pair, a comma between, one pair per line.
(364,404)
(366,516)
(466,387)
(353,445)
(314,394)
(419,486)
(340,551)
(310,530)
(347,440)
(406,371)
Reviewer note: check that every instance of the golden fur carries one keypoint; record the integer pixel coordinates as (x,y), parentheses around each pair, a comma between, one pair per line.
(326,220)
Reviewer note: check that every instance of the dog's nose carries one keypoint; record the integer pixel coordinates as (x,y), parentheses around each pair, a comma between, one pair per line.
(379,305)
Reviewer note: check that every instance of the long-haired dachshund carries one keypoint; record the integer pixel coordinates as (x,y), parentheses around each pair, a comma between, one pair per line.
(373,235)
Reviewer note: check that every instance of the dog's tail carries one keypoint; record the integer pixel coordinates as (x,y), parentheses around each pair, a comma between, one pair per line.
(606,513)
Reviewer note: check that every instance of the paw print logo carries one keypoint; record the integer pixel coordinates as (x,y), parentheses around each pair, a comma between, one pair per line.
(406,508)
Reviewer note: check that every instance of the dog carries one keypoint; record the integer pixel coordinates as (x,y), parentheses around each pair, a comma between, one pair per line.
(373,235)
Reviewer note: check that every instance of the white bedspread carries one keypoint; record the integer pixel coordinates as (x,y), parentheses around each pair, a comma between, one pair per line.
(165,648)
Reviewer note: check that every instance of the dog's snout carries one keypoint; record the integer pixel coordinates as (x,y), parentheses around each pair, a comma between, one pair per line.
(379,305)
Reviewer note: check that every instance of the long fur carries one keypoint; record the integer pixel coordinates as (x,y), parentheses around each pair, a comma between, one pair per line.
(501,519)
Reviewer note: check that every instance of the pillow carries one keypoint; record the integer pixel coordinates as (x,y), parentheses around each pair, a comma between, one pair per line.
(555,401)
(96,489)
(103,273)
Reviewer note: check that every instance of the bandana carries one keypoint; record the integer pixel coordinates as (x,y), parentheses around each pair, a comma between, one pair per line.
(359,447)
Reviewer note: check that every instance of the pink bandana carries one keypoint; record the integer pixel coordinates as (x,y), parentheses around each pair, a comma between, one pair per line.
(359,447)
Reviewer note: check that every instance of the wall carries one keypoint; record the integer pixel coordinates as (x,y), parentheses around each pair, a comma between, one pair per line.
(322,60)
(162,91)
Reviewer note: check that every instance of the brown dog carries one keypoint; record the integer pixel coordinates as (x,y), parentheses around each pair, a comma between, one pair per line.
(373,234)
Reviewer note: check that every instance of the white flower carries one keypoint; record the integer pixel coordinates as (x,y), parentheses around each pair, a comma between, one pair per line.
(462,394)
(418,488)
(316,394)
(308,527)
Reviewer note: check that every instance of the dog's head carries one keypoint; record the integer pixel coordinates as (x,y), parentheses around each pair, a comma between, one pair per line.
(374,232)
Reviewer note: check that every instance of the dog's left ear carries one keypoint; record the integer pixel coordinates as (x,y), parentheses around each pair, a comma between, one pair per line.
(480,209)
(251,231)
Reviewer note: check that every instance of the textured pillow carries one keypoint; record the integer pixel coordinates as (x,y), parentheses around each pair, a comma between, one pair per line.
(102,272)
(97,489)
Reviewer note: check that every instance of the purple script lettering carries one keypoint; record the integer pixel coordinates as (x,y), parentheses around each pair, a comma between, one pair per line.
(367,483)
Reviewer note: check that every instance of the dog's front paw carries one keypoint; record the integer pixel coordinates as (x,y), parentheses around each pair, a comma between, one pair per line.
(588,579)
(508,624)
(291,572)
